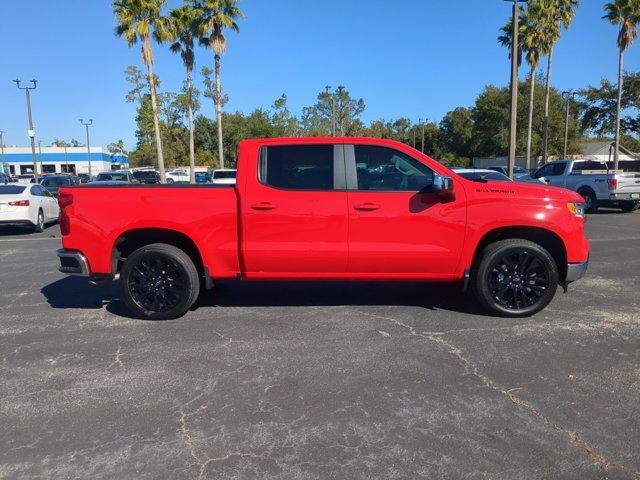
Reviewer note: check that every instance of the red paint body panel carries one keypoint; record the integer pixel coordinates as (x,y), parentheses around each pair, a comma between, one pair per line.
(258,231)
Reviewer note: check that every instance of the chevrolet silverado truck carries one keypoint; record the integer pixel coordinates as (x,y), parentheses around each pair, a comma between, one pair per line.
(599,186)
(326,209)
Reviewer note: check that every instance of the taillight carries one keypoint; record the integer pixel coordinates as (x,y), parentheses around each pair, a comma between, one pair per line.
(20,203)
(65,199)
(612,183)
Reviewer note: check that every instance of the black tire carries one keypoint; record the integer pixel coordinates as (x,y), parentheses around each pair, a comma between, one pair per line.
(590,200)
(39,226)
(629,206)
(169,180)
(159,282)
(500,286)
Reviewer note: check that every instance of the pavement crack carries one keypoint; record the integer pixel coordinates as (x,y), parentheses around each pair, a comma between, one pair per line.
(574,437)
(117,359)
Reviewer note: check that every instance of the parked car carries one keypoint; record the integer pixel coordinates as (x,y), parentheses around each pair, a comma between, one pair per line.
(27,205)
(599,186)
(26,178)
(225,176)
(84,178)
(481,174)
(116,176)
(517,171)
(317,208)
(53,182)
(5,178)
(177,176)
(203,177)
(147,176)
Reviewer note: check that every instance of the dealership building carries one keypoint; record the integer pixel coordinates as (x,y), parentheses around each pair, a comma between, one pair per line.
(19,160)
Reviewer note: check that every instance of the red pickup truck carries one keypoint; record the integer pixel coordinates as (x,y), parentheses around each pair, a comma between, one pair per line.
(331,209)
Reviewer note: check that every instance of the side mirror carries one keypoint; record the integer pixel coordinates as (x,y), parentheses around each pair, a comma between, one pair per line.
(442,185)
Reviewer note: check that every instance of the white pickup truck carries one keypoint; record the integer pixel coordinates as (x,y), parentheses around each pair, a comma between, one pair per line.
(599,186)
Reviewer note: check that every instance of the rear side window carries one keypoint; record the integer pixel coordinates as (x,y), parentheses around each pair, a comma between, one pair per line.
(11,189)
(386,169)
(297,167)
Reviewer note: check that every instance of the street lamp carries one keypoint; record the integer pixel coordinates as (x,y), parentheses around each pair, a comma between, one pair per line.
(31,132)
(423,125)
(2,132)
(87,124)
(567,95)
(333,110)
(514,86)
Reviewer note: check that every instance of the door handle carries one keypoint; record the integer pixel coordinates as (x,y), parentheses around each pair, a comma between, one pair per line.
(367,207)
(263,206)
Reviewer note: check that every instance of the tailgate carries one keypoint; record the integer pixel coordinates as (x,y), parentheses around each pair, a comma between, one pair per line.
(628,183)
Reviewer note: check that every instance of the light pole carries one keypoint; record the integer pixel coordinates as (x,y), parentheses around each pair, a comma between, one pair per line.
(87,124)
(2,132)
(333,110)
(514,86)
(32,132)
(66,160)
(567,95)
(422,142)
(40,156)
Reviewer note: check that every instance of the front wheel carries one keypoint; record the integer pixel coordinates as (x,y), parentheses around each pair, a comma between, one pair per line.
(629,206)
(169,180)
(159,282)
(515,278)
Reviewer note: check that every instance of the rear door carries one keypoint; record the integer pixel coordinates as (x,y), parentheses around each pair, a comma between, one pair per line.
(294,213)
(399,227)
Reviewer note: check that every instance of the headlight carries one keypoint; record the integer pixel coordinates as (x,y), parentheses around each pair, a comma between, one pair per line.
(576,208)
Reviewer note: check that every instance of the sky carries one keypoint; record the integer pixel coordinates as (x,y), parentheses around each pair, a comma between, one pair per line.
(406,58)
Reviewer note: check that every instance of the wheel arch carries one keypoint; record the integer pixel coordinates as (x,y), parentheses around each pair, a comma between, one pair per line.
(547,239)
(131,240)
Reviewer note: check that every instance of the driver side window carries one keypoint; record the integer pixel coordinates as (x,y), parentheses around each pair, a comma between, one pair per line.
(386,169)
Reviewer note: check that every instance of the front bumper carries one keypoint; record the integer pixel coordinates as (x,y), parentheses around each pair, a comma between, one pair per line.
(576,271)
(73,263)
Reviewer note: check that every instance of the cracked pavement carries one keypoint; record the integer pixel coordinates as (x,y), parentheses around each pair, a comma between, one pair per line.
(341,380)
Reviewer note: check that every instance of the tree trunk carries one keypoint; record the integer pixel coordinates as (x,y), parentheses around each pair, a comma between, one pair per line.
(616,151)
(148,59)
(545,131)
(192,156)
(530,129)
(219,111)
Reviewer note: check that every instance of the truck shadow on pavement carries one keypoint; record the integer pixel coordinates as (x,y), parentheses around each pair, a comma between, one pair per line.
(77,293)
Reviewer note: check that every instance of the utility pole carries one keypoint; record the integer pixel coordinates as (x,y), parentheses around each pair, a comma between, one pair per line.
(2,132)
(514,87)
(567,96)
(40,156)
(423,125)
(66,160)
(342,120)
(333,110)
(32,132)
(87,124)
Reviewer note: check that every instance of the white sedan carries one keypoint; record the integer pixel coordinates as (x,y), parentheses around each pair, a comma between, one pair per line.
(27,204)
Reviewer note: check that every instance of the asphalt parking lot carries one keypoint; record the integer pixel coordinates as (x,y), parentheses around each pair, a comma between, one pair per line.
(320,381)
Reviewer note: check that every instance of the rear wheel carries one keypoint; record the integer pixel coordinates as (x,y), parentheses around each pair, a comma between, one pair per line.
(159,282)
(590,200)
(515,278)
(39,226)
(629,206)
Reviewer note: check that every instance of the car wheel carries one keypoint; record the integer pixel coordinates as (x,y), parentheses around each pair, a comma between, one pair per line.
(590,200)
(515,278)
(39,226)
(169,180)
(629,206)
(159,282)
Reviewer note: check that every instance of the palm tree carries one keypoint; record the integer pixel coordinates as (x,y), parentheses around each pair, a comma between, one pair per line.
(213,17)
(625,13)
(554,15)
(139,20)
(183,31)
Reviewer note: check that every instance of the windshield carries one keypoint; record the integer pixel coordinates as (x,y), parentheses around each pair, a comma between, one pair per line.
(11,189)
(484,176)
(228,174)
(56,181)
(105,177)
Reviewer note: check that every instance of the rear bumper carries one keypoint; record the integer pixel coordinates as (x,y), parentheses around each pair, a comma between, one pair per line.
(624,196)
(17,222)
(73,263)
(576,271)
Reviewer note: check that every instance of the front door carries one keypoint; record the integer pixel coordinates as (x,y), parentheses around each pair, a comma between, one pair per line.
(398,227)
(294,217)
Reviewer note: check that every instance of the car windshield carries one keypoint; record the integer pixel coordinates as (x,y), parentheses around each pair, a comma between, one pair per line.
(56,181)
(105,177)
(481,175)
(11,189)
(229,174)
(519,170)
